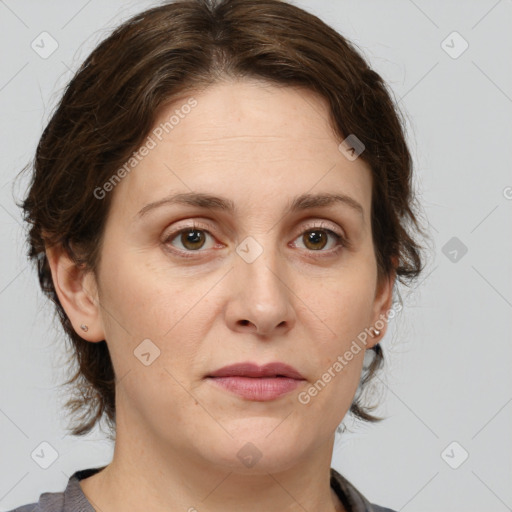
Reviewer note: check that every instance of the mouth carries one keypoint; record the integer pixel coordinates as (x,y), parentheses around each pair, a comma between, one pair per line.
(252,370)
(257,383)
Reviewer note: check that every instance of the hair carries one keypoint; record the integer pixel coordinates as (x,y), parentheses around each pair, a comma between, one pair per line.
(110,106)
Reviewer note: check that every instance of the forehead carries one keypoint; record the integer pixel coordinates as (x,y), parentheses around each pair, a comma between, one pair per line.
(250,112)
(245,139)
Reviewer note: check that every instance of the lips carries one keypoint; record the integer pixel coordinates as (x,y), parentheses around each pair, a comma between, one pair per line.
(257,383)
(252,370)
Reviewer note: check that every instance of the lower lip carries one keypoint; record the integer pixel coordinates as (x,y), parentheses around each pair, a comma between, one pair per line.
(261,388)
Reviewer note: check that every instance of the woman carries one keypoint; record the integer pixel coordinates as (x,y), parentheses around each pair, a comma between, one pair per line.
(221,209)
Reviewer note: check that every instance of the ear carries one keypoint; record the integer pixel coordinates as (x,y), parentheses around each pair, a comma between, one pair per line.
(381,307)
(77,292)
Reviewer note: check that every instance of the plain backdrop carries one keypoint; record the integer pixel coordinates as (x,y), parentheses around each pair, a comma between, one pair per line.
(446,389)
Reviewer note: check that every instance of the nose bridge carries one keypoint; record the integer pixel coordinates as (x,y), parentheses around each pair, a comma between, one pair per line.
(260,266)
(262,297)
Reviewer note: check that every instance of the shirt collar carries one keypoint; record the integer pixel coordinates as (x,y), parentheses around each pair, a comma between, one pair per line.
(75,499)
(351,498)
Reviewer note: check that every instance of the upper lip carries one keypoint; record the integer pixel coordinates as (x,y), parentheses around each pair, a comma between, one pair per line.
(248,369)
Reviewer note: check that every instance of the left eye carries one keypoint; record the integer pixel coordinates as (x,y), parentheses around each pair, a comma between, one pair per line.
(317,238)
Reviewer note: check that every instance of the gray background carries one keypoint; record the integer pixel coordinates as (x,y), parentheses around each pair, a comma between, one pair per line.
(449,353)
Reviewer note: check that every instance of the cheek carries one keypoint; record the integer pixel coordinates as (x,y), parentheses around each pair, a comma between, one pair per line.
(341,303)
(342,307)
(153,336)
(136,296)
(139,302)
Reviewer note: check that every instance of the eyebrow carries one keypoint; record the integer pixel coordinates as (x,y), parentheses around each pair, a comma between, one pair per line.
(211,202)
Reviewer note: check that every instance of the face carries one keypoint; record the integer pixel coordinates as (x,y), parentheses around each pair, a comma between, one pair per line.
(255,276)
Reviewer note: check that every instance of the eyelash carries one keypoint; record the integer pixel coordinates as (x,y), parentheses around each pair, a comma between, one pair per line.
(341,240)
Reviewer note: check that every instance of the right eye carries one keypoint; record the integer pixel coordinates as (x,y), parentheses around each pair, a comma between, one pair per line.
(191,239)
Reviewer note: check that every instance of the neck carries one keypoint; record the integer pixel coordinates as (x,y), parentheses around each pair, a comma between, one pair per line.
(154,477)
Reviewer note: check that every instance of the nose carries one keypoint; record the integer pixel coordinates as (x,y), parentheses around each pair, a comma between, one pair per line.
(260,298)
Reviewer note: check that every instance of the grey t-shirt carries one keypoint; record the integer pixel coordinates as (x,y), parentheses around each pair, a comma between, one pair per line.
(72,499)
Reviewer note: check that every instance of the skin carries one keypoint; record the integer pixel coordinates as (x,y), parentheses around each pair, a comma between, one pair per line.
(177,434)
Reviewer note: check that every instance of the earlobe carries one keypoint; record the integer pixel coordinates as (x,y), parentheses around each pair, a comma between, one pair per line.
(77,292)
(382,305)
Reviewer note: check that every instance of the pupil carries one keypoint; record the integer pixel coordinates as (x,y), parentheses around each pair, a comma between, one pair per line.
(193,237)
(315,237)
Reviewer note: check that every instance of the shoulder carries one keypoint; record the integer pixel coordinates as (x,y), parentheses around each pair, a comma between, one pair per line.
(48,502)
(377,508)
(72,499)
(352,498)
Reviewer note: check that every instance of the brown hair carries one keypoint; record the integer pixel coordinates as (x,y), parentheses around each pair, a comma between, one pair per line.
(110,105)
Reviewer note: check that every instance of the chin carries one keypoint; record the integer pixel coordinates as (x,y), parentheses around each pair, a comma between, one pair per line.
(258,446)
